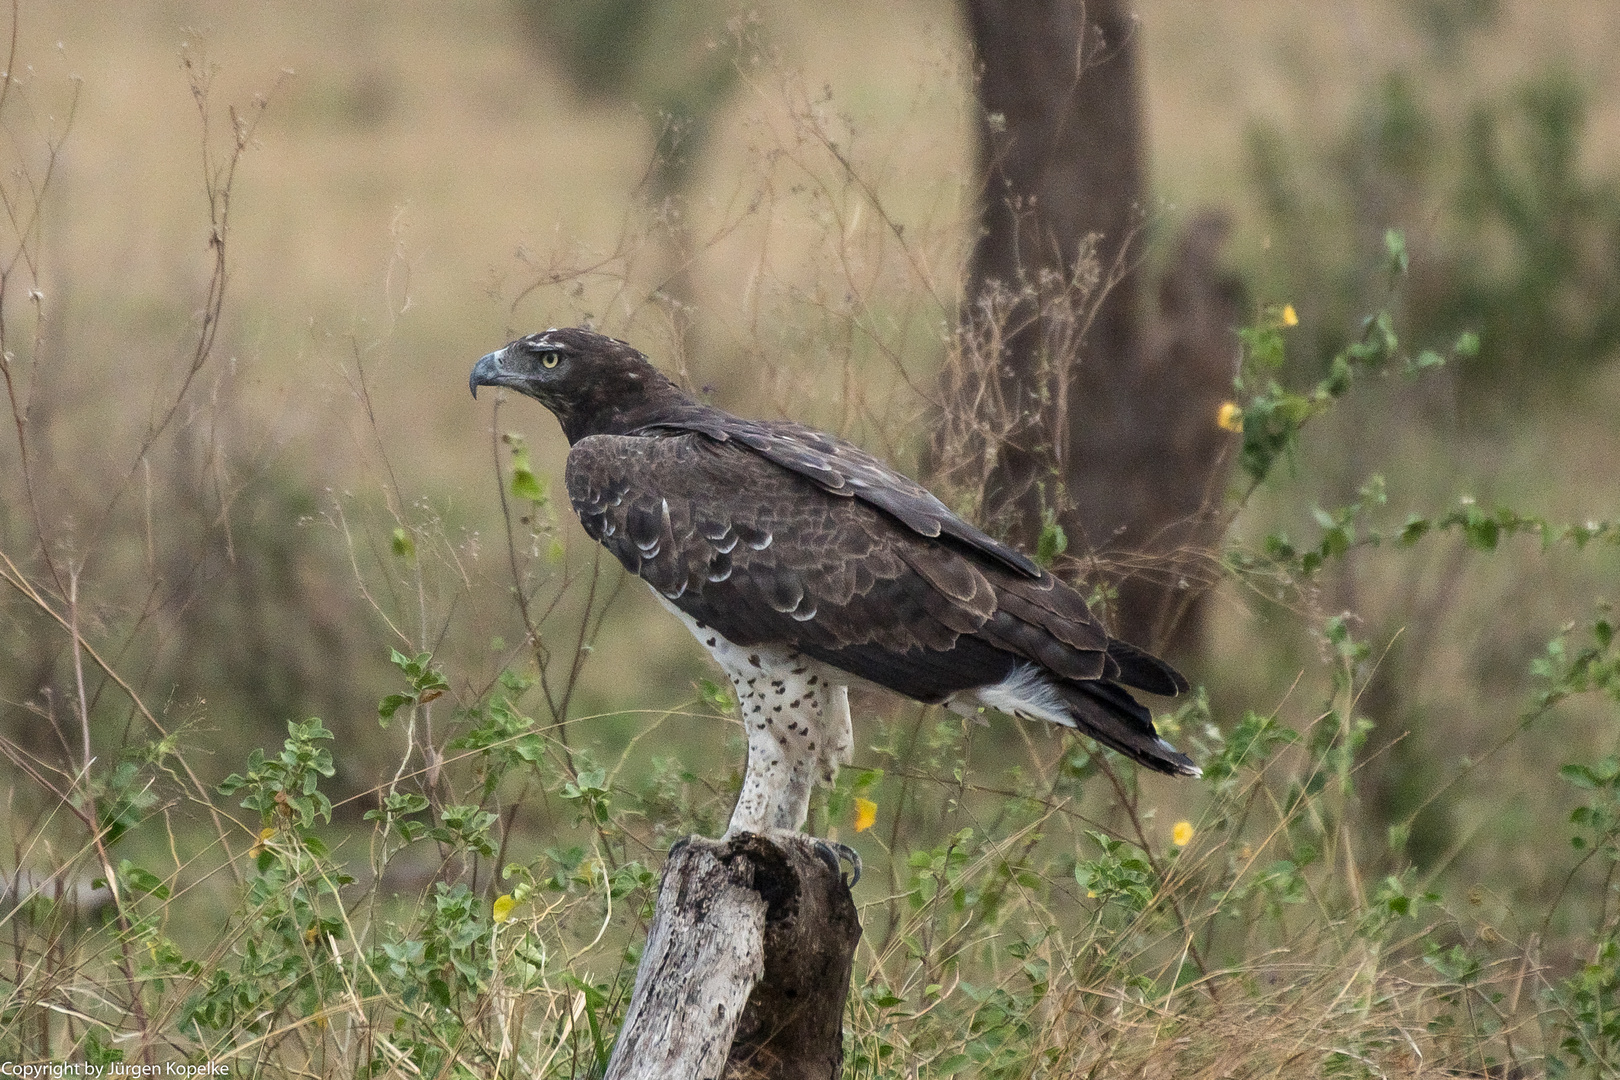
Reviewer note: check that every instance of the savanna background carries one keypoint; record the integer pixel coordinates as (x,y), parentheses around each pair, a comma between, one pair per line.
(248,256)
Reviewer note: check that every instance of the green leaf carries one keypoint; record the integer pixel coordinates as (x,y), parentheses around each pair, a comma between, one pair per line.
(526,485)
(1279,548)
(715,695)
(1264,348)
(404,546)
(882,997)
(388,706)
(1395,247)
(1338,379)
(98,1052)
(1415,529)
(1482,532)
(138,880)
(1579,775)
(1053,541)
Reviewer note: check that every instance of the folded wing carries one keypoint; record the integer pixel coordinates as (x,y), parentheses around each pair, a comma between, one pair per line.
(768,554)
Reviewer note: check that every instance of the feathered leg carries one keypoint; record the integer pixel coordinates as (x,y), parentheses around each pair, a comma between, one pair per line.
(798,731)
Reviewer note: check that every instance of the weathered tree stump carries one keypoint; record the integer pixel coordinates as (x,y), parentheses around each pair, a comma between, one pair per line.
(747,966)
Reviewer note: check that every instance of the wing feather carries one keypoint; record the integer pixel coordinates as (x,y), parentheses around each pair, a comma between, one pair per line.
(844,469)
(765,555)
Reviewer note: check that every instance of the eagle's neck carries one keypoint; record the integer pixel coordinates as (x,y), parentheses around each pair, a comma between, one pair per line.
(645,401)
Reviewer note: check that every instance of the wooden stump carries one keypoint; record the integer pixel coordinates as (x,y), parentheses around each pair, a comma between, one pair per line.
(746,969)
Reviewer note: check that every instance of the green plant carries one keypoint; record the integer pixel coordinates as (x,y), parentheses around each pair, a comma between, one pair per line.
(1518,238)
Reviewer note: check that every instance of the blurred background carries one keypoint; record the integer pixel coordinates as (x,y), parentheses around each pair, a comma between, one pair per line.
(776,203)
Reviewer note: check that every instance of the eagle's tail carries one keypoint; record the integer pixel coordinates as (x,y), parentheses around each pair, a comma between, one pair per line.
(1109,714)
(1102,710)
(1145,671)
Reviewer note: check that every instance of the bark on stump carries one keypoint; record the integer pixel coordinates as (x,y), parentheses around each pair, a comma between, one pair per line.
(746,969)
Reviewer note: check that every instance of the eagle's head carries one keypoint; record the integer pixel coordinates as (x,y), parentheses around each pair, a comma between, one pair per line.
(592,383)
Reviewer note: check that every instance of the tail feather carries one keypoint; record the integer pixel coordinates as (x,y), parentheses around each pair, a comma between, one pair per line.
(1093,707)
(1145,671)
(1110,715)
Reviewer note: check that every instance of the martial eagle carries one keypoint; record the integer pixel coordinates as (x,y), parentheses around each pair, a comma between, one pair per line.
(805,565)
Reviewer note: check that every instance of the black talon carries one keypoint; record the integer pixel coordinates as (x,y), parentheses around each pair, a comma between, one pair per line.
(825,852)
(835,854)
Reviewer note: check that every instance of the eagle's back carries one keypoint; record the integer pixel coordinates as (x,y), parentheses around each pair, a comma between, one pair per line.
(841,468)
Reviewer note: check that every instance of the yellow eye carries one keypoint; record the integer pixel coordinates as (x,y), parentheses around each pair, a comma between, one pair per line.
(549,360)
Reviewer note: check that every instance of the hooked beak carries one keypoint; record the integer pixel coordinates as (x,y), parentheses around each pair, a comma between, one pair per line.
(487,372)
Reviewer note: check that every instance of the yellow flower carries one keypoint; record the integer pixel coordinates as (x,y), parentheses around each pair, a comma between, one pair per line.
(1289,316)
(1230,416)
(503,906)
(865,814)
(1181,835)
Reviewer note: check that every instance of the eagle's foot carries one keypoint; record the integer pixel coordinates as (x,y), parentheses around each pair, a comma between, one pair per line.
(835,855)
(830,852)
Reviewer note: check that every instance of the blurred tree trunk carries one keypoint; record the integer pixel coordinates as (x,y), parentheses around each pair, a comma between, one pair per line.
(1104,428)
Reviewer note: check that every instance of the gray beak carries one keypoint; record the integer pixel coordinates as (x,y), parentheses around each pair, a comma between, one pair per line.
(486,372)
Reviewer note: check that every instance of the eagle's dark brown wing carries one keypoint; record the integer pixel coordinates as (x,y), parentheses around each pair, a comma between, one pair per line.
(842,468)
(765,556)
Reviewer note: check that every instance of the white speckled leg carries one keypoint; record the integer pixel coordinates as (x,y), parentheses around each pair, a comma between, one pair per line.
(796,714)
(839,746)
(784,699)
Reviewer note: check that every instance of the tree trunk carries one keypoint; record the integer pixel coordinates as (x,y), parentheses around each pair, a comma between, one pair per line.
(1105,431)
(747,966)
